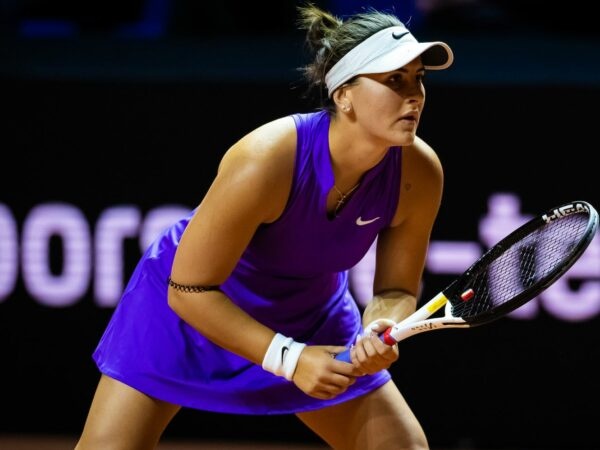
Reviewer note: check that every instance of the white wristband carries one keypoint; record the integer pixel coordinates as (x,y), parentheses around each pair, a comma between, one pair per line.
(290,359)
(282,356)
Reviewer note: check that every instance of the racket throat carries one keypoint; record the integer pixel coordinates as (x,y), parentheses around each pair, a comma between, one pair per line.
(400,333)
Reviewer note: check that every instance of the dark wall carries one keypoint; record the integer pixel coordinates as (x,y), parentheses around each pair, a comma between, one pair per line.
(93,144)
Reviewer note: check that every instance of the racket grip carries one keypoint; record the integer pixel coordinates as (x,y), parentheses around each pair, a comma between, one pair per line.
(385,337)
(344,356)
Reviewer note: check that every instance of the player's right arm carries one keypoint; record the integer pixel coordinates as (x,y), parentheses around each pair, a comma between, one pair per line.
(251,188)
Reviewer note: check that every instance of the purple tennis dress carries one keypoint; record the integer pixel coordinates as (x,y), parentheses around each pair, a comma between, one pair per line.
(292,278)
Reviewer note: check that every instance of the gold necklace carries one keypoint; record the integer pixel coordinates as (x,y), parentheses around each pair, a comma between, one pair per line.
(343,197)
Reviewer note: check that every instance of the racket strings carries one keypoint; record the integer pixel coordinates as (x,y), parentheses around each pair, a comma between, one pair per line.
(523,266)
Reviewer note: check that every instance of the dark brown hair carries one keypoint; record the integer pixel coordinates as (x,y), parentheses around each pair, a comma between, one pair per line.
(329,38)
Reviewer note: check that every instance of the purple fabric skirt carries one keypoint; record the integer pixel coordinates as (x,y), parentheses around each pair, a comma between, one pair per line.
(148,347)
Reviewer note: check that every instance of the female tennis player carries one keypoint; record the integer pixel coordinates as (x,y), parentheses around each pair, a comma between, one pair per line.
(239,307)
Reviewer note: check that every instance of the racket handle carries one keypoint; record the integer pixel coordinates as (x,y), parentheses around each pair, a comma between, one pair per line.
(344,356)
(385,337)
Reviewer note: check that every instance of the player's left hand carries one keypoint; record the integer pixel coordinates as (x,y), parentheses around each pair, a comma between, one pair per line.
(370,354)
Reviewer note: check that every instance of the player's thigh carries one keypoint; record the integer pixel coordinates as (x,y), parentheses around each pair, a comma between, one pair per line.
(121,417)
(378,420)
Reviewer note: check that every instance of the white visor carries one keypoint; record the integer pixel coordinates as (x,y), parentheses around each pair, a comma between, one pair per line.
(387,50)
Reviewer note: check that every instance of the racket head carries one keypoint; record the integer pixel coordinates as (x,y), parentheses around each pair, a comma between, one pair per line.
(524,263)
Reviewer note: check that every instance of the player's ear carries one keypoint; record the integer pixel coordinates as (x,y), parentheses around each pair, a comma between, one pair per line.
(342,98)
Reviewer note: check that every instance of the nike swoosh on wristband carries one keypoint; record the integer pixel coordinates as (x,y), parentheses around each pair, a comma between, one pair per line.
(400,36)
(362,222)
(283,350)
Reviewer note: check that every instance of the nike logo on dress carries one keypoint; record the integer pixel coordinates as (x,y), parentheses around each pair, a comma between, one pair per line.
(283,350)
(400,36)
(362,222)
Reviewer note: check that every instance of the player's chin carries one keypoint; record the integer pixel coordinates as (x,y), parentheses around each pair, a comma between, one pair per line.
(403,137)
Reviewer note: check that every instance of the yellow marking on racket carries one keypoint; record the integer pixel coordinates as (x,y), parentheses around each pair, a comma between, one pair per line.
(436,304)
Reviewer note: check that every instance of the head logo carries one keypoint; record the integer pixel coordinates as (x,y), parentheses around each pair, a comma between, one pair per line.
(563,211)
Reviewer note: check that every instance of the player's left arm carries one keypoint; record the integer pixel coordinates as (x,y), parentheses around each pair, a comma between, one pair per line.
(402,247)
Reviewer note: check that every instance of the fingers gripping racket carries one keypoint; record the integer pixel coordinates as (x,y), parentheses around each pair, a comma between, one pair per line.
(511,273)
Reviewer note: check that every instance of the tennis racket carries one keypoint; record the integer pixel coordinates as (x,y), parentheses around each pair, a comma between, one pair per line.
(511,273)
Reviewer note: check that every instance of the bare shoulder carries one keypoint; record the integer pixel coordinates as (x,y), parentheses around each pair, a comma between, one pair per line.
(422,181)
(268,145)
(263,160)
(423,160)
(251,188)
